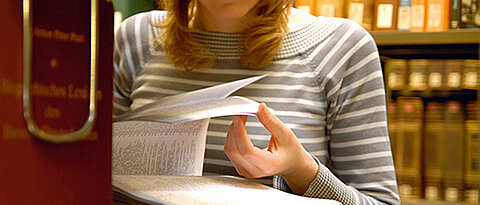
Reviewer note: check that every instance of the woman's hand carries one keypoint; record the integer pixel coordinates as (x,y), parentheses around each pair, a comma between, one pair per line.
(284,156)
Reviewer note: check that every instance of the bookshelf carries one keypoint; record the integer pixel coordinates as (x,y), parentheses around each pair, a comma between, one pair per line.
(445,45)
(451,44)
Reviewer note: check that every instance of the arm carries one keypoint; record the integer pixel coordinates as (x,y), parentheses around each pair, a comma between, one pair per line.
(123,67)
(356,125)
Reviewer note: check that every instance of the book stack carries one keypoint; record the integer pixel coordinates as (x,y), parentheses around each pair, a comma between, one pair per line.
(402,15)
(434,128)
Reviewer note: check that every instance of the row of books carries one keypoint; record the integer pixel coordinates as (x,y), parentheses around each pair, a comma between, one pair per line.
(436,148)
(432,74)
(404,15)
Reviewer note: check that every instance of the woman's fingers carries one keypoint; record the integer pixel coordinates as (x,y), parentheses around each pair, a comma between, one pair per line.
(237,140)
(278,130)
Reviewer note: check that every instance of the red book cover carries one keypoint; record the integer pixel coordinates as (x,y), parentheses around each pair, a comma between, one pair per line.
(33,170)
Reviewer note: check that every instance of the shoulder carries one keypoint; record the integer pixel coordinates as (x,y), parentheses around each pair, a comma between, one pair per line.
(307,32)
(143,21)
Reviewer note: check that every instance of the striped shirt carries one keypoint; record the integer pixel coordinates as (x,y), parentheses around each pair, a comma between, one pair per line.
(325,84)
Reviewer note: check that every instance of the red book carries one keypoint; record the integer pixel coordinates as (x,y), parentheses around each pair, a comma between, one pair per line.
(38,171)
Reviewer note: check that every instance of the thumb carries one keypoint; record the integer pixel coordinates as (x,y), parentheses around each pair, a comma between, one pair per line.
(273,124)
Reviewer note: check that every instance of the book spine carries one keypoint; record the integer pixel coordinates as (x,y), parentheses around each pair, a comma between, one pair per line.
(417,76)
(409,147)
(307,6)
(471,69)
(455,14)
(396,73)
(404,14)
(433,150)
(330,8)
(468,14)
(361,11)
(386,15)
(436,15)
(436,75)
(472,154)
(453,74)
(454,152)
(417,23)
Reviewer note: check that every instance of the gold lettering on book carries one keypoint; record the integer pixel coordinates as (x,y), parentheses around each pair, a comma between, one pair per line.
(10,88)
(59,35)
(10,132)
(57,131)
(52,90)
(51,112)
(78,93)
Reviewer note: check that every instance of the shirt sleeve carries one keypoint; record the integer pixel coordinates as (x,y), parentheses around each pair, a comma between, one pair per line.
(361,169)
(123,67)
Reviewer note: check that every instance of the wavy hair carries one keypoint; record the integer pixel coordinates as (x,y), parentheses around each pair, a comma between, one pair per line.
(259,43)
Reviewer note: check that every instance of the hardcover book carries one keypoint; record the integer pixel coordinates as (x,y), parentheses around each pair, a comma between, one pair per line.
(472,153)
(453,74)
(471,74)
(404,14)
(385,15)
(418,74)
(361,11)
(396,73)
(470,10)
(418,16)
(455,11)
(308,6)
(63,36)
(454,152)
(330,8)
(436,75)
(437,14)
(434,150)
(409,148)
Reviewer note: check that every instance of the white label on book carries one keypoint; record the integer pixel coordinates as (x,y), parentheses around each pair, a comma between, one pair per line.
(327,10)
(418,16)
(451,194)
(405,189)
(385,16)
(454,79)
(470,80)
(434,17)
(404,18)
(471,196)
(392,80)
(356,12)
(417,79)
(305,9)
(431,193)
(435,80)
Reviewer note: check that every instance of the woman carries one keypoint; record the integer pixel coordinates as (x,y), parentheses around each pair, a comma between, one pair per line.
(328,137)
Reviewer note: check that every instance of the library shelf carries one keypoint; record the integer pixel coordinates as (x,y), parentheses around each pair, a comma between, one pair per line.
(451,44)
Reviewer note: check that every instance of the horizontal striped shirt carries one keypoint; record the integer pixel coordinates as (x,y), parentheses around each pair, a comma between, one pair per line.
(325,84)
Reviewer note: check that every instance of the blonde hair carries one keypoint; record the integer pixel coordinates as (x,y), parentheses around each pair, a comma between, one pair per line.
(259,43)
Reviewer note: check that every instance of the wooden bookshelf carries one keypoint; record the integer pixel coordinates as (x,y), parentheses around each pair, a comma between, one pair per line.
(458,36)
(451,44)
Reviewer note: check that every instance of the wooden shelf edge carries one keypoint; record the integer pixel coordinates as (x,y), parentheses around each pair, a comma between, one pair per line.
(457,36)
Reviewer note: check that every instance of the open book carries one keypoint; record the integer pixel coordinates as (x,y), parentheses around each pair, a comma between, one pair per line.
(158,152)
(190,190)
(167,137)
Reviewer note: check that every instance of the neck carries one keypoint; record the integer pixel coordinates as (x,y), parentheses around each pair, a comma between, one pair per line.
(210,22)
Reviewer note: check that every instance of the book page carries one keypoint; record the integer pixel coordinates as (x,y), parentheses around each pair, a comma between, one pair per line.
(177,108)
(154,148)
(204,190)
(235,105)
